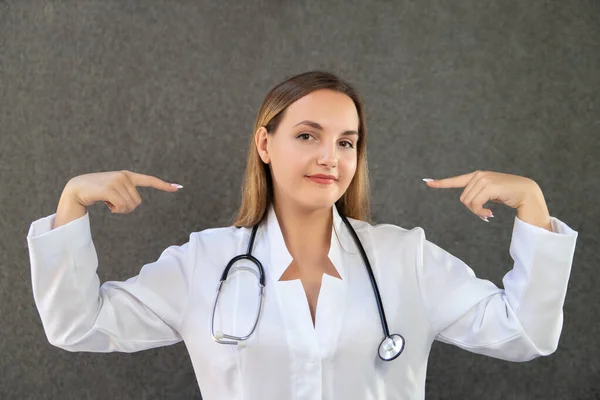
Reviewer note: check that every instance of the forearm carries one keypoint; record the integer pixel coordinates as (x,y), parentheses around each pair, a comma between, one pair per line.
(534,210)
(68,209)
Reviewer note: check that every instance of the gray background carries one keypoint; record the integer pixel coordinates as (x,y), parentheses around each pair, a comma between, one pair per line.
(171,89)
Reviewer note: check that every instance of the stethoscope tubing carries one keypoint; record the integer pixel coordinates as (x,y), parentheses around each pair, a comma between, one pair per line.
(382,317)
(389,348)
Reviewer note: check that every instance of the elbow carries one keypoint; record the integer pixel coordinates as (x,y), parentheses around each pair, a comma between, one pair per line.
(521,348)
(534,352)
(62,341)
(541,332)
(61,345)
(543,342)
(92,344)
(71,330)
(67,337)
(534,337)
(538,330)
(544,347)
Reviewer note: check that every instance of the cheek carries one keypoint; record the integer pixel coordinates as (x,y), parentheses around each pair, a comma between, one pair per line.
(348,168)
(290,166)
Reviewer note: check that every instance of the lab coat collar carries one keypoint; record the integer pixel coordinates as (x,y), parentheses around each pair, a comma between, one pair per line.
(281,258)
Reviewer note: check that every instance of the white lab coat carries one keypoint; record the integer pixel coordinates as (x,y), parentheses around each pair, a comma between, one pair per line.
(427,293)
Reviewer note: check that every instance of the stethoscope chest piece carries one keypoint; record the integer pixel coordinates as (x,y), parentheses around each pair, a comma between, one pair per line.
(391,347)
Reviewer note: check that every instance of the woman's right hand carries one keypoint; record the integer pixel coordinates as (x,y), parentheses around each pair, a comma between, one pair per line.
(116,188)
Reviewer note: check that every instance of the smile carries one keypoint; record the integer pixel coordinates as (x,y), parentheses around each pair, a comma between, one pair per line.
(323,181)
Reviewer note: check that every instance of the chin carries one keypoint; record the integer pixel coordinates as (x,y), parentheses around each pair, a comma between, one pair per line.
(317,202)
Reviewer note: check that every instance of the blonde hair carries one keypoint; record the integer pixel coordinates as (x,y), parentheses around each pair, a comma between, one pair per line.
(257,190)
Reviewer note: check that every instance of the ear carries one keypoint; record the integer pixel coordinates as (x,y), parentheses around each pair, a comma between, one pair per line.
(261,140)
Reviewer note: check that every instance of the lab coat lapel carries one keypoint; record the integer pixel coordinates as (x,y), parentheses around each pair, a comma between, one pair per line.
(331,307)
(280,258)
(289,294)
(332,296)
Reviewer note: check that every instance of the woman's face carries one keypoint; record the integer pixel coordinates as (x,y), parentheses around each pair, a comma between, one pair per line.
(317,135)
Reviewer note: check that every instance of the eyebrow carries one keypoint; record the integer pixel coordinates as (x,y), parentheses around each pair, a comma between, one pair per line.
(318,126)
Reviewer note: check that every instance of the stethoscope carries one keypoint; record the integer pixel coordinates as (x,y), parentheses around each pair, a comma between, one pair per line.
(391,346)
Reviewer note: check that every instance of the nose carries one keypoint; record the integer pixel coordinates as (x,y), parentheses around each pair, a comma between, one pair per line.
(328,156)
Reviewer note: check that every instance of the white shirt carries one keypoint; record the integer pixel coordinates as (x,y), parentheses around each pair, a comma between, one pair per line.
(427,294)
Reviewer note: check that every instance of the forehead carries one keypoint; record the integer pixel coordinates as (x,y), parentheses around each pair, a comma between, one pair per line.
(331,109)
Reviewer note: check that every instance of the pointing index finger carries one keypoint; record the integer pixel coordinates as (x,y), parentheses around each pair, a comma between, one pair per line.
(149,181)
(452,182)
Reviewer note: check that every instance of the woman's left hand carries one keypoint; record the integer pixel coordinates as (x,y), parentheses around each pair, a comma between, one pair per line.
(483,186)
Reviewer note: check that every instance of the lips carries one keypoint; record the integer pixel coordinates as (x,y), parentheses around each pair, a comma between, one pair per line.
(322,176)
(322,179)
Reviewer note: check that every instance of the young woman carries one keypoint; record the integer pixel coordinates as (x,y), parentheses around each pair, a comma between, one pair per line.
(350,309)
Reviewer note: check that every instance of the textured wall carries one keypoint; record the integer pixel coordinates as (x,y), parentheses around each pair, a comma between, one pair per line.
(171,89)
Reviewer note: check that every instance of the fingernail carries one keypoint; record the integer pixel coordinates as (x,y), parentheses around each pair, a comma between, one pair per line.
(485,219)
(178,186)
(428,179)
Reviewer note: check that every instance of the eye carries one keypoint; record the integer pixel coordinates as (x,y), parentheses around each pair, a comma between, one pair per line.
(349,144)
(303,135)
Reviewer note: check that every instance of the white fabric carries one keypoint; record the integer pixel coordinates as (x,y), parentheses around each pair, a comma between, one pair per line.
(427,294)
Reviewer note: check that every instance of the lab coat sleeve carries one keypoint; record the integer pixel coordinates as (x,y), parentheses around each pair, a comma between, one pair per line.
(518,323)
(79,314)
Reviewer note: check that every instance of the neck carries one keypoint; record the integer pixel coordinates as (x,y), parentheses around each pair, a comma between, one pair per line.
(307,233)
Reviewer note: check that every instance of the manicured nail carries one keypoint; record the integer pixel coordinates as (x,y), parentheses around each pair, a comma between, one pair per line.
(485,219)
(176,185)
(428,179)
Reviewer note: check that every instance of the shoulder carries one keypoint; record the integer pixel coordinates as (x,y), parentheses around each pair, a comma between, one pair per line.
(219,237)
(213,248)
(386,234)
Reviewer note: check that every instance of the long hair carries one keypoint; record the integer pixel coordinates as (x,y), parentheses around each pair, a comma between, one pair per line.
(257,190)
